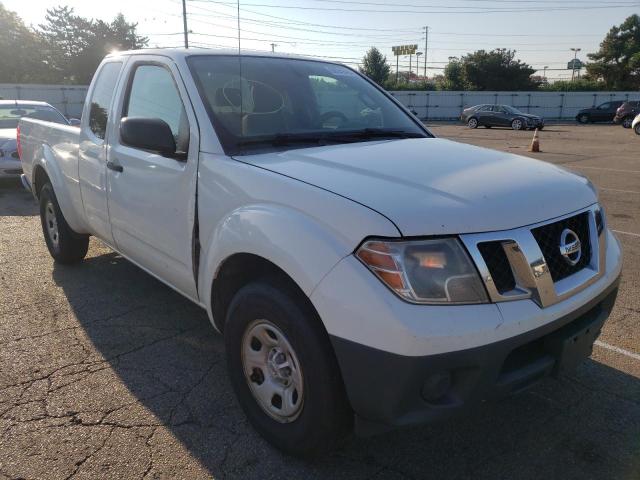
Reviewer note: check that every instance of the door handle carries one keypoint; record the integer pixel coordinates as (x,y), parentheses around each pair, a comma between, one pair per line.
(114,166)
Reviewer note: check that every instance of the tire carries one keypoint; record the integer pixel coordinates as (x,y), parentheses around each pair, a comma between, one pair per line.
(487,126)
(626,122)
(266,317)
(583,118)
(541,127)
(65,245)
(637,129)
(472,122)
(517,124)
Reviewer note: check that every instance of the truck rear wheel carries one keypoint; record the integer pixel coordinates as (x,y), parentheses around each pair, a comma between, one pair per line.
(65,245)
(284,371)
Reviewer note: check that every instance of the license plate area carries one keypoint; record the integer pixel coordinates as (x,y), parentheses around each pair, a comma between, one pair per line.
(574,343)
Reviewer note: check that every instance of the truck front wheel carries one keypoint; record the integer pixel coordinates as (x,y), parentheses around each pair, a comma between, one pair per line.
(284,371)
(65,245)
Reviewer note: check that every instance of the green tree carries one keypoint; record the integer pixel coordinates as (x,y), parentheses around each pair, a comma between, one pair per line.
(76,45)
(494,70)
(375,66)
(617,63)
(578,85)
(21,51)
(454,76)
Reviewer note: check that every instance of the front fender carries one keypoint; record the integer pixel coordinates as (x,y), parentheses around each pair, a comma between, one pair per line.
(293,241)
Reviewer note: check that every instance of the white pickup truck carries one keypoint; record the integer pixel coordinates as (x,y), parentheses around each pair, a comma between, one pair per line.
(365,274)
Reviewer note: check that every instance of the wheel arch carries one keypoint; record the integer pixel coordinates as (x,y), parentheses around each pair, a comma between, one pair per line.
(239,270)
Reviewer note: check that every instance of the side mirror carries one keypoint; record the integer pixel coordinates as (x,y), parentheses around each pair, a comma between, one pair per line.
(74,122)
(150,134)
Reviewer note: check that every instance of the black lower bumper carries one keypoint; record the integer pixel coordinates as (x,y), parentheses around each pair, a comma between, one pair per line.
(388,391)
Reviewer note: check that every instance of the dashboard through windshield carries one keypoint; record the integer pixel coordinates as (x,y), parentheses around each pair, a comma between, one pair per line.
(257,102)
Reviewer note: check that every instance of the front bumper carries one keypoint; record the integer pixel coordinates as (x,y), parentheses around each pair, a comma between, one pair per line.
(390,351)
(388,390)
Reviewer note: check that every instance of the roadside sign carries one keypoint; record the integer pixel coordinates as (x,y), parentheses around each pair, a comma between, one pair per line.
(575,64)
(404,50)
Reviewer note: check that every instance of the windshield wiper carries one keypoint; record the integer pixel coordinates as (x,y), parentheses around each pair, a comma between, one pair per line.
(283,139)
(323,138)
(368,133)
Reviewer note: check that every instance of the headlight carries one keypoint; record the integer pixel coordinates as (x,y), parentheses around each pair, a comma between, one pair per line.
(425,271)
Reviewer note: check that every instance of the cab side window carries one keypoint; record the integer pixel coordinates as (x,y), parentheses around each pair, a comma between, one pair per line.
(153,94)
(101,98)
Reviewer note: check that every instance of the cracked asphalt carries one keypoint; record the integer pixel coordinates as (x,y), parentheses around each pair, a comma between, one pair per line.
(107,373)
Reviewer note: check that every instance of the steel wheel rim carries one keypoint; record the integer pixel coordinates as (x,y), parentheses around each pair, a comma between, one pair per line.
(272,371)
(627,123)
(517,124)
(473,123)
(51,223)
(584,119)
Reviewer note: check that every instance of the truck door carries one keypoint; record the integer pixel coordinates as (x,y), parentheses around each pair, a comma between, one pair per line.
(151,196)
(93,149)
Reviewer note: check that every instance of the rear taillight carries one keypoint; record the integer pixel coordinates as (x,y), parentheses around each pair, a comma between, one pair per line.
(19,147)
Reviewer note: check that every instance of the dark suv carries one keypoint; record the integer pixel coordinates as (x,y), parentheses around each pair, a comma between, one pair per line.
(627,112)
(602,113)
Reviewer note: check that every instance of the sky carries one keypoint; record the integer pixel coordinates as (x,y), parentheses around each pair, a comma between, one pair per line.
(541,31)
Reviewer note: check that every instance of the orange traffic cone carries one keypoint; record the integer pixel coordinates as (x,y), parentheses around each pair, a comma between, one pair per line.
(535,143)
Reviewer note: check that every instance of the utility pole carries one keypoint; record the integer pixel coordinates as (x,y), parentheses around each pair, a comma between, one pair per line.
(575,57)
(410,57)
(418,63)
(544,75)
(273,47)
(397,68)
(184,23)
(426,45)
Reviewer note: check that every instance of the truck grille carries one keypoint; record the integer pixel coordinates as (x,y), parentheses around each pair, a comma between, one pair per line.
(527,262)
(498,266)
(548,238)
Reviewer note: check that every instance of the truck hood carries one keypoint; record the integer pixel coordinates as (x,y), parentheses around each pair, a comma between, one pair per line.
(431,186)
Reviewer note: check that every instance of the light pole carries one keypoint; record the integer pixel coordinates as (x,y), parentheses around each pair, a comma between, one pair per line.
(410,57)
(418,63)
(184,23)
(544,75)
(273,47)
(575,57)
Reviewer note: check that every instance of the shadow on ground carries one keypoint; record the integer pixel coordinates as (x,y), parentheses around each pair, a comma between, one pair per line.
(168,357)
(15,200)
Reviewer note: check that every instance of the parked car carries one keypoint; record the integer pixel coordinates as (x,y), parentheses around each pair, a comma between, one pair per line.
(602,113)
(500,116)
(11,111)
(364,273)
(636,124)
(626,113)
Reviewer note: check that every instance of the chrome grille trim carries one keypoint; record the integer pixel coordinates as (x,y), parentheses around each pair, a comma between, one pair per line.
(532,277)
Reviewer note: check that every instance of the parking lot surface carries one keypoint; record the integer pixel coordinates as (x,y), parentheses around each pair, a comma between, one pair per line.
(107,373)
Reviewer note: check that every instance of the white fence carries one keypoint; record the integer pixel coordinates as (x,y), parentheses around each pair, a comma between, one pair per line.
(69,99)
(444,105)
(440,105)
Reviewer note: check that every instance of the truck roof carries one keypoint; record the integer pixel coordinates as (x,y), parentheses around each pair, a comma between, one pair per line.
(23,103)
(178,53)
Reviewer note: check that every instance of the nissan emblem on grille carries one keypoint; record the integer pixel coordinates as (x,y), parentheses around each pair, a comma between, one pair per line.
(570,246)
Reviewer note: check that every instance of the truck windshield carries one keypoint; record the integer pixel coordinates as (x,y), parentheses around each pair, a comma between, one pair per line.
(266,102)
(10,115)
